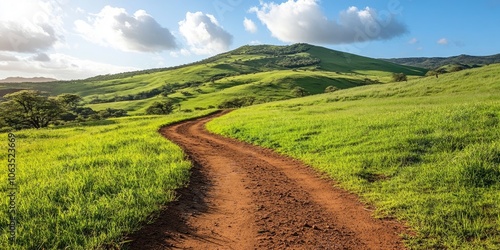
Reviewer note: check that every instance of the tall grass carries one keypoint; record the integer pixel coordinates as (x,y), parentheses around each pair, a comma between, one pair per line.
(426,151)
(85,187)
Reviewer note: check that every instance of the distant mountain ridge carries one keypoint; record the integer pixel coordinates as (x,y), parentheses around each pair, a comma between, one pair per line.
(436,62)
(27,79)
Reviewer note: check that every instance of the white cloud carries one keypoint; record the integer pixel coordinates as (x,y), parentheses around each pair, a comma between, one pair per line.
(443,41)
(303,21)
(249,25)
(182,52)
(203,34)
(29,25)
(80,10)
(116,28)
(413,41)
(7,58)
(60,66)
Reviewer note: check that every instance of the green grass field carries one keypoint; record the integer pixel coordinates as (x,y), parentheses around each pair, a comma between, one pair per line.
(426,152)
(85,187)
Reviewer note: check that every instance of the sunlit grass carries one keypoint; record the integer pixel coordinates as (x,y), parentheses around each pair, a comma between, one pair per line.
(85,187)
(426,151)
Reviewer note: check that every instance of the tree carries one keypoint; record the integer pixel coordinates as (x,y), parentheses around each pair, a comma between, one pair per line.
(330,89)
(299,92)
(432,73)
(30,108)
(399,77)
(69,101)
(110,112)
(86,113)
(161,108)
(237,102)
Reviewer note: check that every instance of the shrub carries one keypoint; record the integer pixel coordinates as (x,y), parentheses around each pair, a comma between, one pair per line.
(330,89)
(110,112)
(299,92)
(399,77)
(431,73)
(237,102)
(160,108)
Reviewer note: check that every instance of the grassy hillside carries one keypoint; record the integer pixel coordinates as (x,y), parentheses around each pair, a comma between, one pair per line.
(85,187)
(436,62)
(337,61)
(426,151)
(264,71)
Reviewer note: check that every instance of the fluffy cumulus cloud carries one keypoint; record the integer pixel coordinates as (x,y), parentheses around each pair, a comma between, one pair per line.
(203,34)
(249,25)
(57,65)
(304,21)
(30,25)
(116,28)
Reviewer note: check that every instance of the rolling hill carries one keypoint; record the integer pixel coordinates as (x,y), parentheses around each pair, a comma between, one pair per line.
(437,62)
(264,72)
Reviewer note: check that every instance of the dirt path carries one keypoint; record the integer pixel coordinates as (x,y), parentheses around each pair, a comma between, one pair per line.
(245,197)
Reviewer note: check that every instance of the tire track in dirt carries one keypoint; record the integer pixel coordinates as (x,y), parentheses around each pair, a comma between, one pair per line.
(245,197)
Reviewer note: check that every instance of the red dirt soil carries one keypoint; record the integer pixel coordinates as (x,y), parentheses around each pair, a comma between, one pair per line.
(245,197)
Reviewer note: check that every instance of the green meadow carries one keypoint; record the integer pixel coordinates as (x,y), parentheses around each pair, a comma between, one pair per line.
(85,187)
(426,152)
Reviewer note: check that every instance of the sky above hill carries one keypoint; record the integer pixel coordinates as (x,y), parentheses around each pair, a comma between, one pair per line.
(74,39)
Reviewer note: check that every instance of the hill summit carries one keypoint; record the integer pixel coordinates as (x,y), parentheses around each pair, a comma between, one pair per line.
(250,74)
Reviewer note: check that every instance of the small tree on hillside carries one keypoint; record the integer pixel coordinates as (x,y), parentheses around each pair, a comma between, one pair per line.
(30,108)
(330,89)
(299,92)
(69,101)
(161,108)
(432,73)
(399,77)
(110,112)
(237,102)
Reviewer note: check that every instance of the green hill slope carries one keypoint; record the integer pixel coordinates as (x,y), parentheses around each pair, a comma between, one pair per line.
(426,151)
(265,72)
(436,62)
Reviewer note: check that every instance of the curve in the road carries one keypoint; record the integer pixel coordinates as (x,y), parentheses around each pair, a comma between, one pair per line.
(245,197)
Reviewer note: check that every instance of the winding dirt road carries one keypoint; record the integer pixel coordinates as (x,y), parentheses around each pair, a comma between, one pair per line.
(245,197)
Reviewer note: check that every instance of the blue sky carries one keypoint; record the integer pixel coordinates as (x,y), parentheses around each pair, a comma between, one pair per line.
(73,39)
